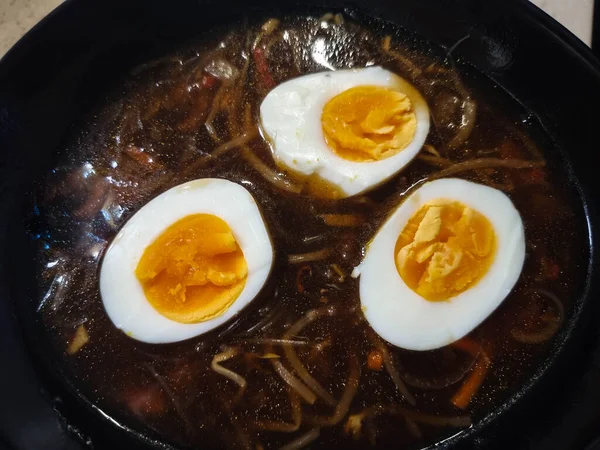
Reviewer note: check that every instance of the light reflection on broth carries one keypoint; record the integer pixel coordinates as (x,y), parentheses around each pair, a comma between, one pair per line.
(300,365)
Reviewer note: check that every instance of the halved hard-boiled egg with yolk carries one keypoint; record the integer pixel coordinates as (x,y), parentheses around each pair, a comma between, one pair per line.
(441,264)
(352,129)
(186,262)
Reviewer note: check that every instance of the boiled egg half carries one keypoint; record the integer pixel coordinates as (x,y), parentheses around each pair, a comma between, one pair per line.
(186,262)
(351,129)
(442,262)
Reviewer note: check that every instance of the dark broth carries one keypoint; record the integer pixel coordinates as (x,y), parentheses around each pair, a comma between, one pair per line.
(150,135)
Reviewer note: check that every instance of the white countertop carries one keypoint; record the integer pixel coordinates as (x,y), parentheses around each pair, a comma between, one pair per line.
(576,15)
(18,16)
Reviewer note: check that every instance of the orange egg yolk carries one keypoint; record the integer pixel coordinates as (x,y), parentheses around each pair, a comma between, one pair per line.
(445,248)
(368,123)
(194,270)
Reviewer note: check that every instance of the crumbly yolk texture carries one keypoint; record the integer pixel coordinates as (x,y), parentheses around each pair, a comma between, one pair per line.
(194,270)
(368,123)
(445,248)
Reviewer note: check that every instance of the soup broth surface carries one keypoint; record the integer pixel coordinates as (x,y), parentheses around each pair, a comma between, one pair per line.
(173,120)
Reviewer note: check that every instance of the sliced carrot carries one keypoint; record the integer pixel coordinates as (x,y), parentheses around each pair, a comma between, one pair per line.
(552,270)
(208,81)
(468,345)
(375,360)
(302,272)
(508,150)
(470,387)
(537,175)
(142,158)
(263,68)
(149,401)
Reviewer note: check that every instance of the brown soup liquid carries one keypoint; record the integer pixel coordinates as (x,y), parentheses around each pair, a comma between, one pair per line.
(151,134)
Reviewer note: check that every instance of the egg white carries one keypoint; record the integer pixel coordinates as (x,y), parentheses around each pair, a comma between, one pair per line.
(404,318)
(291,120)
(122,293)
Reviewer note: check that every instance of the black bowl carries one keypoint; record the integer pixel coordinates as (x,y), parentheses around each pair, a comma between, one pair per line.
(61,68)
